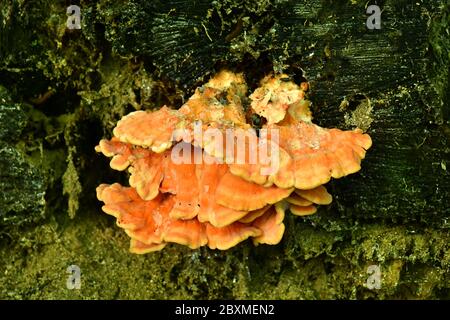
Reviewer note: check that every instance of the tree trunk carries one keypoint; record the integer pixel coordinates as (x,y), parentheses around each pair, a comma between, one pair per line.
(62,90)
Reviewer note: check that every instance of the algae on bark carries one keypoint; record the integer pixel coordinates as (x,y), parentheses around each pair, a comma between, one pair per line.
(68,88)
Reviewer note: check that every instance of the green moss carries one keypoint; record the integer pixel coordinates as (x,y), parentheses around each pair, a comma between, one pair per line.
(71,187)
(22,183)
(137,54)
(13,120)
(317,265)
(123,86)
(23,188)
(360,117)
(440,45)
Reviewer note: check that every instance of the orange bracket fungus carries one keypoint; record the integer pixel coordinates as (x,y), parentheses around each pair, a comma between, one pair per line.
(202,176)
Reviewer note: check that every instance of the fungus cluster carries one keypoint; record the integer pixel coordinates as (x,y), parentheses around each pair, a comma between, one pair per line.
(200,175)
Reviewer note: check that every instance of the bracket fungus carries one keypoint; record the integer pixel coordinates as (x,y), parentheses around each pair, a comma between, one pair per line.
(197,174)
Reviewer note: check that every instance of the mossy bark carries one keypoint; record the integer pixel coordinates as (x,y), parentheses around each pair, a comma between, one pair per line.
(63,90)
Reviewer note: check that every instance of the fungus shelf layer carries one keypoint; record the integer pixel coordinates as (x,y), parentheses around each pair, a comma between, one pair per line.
(201,175)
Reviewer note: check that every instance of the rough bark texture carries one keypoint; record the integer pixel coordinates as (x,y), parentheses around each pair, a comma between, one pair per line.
(63,90)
